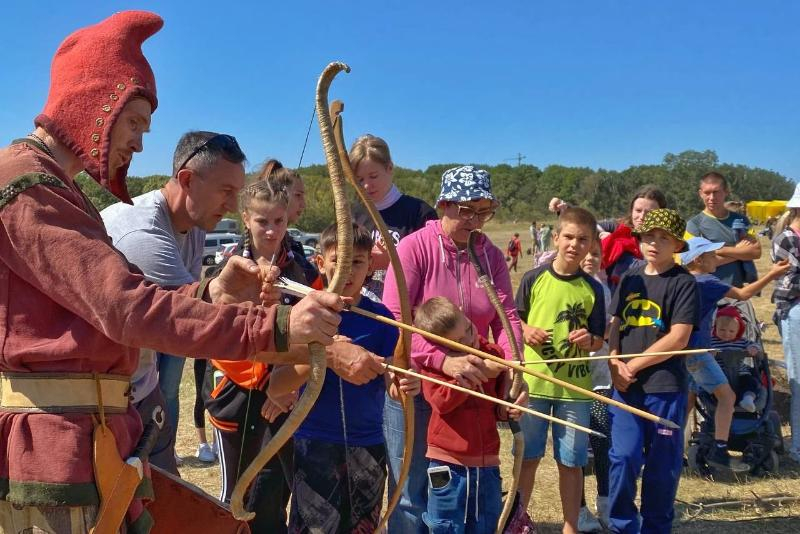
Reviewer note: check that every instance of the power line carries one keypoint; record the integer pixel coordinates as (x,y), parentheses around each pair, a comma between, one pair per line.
(518,158)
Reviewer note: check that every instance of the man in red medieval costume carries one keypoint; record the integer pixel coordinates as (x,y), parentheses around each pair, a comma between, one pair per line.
(73,311)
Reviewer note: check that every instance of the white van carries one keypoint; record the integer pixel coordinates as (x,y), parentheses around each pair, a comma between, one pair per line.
(214,240)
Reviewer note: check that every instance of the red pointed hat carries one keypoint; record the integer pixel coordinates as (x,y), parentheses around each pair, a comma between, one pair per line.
(95,72)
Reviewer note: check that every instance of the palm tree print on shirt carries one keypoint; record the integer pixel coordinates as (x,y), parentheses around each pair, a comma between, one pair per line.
(576,317)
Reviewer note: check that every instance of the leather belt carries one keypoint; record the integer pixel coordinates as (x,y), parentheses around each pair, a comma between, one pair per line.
(64,392)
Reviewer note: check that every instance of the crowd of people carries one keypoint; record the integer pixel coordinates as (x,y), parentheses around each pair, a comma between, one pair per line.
(97,339)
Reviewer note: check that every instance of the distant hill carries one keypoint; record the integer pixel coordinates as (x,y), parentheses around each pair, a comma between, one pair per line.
(524,190)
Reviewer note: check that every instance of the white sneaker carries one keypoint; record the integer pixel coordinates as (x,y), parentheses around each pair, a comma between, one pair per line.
(178,460)
(603,510)
(206,454)
(587,522)
(747,403)
(215,448)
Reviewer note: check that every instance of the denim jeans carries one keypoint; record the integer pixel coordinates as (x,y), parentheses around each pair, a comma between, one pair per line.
(704,373)
(170,371)
(470,503)
(570,446)
(790,335)
(407,517)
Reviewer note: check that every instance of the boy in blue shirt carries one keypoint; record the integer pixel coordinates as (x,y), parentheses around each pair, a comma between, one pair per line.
(701,260)
(655,309)
(339,452)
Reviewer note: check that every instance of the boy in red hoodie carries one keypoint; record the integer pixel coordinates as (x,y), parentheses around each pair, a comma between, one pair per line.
(464,486)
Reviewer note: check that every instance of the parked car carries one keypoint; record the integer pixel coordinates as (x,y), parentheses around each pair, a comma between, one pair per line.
(309,252)
(213,241)
(304,238)
(226,226)
(225,251)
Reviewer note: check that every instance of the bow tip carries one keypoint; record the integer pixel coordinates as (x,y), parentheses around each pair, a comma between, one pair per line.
(340,65)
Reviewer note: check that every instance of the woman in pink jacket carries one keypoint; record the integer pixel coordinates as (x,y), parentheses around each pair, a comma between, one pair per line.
(436,263)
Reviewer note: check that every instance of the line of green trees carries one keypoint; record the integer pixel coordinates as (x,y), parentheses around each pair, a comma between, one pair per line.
(525,190)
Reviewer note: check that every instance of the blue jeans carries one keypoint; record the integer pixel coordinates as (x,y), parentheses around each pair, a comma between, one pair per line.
(407,517)
(636,442)
(469,502)
(170,371)
(790,335)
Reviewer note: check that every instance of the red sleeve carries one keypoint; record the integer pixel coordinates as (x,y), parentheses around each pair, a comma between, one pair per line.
(61,251)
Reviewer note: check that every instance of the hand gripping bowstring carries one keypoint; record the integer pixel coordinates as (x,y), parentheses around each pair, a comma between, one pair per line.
(516,383)
(403,348)
(344,255)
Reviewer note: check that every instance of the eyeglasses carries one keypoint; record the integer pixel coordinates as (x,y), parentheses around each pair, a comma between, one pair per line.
(224,142)
(466,213)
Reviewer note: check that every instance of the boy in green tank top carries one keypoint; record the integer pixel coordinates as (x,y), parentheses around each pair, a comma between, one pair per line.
(563,313)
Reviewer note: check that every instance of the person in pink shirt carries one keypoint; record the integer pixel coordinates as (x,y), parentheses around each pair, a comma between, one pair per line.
(436,263)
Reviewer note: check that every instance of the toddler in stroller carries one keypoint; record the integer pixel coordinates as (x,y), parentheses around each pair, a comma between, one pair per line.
(727,337)
(755,427)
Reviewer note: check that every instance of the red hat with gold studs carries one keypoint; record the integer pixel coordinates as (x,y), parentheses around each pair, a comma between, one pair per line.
(95,72)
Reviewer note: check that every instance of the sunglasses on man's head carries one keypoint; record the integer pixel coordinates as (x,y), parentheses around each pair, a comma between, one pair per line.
(226,143)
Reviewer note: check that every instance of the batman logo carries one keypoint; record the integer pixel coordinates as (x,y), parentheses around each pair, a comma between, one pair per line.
(641,312)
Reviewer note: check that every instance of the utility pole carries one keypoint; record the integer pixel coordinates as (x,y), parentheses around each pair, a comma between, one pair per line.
(519,157)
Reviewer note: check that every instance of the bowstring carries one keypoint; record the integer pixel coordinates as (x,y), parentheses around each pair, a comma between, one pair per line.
(250,393)
(308,132)
(346,448)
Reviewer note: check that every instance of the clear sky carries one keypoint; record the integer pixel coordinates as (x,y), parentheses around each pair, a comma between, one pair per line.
(597,83)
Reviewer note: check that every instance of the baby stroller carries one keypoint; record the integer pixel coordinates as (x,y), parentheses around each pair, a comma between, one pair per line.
(756,435)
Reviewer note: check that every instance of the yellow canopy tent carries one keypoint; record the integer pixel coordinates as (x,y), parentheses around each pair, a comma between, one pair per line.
(775,208)
(757,211)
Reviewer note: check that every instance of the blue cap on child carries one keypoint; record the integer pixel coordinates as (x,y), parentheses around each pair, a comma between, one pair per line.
(697,247)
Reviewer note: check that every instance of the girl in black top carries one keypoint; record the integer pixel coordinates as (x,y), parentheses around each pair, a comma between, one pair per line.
(403,214)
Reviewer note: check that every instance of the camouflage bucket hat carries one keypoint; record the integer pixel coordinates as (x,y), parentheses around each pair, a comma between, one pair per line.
(664,219)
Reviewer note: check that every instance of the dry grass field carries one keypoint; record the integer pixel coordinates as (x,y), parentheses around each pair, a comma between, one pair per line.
(743,517)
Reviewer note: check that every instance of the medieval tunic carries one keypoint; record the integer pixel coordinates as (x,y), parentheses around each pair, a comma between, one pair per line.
(69,302)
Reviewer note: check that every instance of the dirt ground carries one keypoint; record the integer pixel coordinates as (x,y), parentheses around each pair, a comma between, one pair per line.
(749,509)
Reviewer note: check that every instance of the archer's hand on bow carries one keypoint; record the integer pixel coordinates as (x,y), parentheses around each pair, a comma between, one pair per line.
(243,280)
(410,385)
(315,318)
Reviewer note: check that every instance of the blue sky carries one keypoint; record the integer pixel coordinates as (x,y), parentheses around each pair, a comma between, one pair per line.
(596,83)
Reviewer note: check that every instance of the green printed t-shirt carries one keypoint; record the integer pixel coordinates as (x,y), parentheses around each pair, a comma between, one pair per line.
(559,305)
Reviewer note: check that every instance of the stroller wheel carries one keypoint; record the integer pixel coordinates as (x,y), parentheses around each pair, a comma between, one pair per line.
(775,420)
(771,462)
(766,462)
(696,460)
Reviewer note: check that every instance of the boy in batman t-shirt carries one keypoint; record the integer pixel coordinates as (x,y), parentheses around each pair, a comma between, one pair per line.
(655,309)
